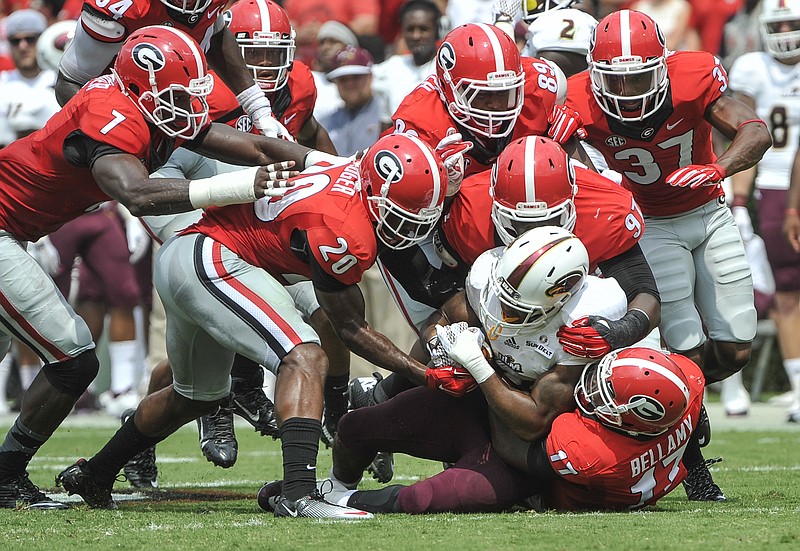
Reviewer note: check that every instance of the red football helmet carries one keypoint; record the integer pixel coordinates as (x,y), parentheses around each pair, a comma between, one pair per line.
(532,280)
(533,183)
(481,79)
(638,390)
(188,7)
(266,38)
(164,72)
(628,66)
(403,183)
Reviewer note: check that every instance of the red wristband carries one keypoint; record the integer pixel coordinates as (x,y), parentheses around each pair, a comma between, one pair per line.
(739,201)
(792,211)
(749,121)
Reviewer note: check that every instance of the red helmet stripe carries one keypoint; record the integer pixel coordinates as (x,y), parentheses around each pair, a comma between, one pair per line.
(515,277)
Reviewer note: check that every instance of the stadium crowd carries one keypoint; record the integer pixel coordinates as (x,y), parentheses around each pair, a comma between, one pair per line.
(556,196)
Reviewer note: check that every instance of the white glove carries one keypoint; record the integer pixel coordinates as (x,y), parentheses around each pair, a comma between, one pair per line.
(742,218)
(439,357)
(511,8)
(464,347)
(257,106)
(138,239)
(46,254)
(451,150)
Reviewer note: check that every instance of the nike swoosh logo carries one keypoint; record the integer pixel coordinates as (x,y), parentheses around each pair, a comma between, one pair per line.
(253,417)
(671,126)
(292,512)
(287,119)
(212,13)
(311,467)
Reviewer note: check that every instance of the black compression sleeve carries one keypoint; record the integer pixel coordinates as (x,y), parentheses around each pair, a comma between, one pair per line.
(632,272)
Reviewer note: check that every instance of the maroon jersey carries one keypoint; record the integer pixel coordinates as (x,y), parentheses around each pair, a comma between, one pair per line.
(603,469)
(135,14)
(46,177)
(676,136)
(292,105)
(322,216)
(424,114)
(608,220)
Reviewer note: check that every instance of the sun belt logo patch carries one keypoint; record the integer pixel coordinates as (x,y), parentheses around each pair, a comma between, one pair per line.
(388,166)
(650,409)
(148,57)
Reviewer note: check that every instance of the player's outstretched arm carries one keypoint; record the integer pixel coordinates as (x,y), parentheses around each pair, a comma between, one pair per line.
(345,309)
(123,178)
(227,144)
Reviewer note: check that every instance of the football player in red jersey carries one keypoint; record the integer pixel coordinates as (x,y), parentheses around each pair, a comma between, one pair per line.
(650,113)
(621,449)
(482,90)
(532,184)
(101,146)
(266,39)
(104,26)
(222,281)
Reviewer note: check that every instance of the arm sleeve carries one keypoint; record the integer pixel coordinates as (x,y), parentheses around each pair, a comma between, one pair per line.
(86,56)
(632,272)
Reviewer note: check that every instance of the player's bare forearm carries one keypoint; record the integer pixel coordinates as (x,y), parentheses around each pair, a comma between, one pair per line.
(456,309)
(345,309)
(791,222)
(65,89)
(232,146)
(529,416)
(740,123)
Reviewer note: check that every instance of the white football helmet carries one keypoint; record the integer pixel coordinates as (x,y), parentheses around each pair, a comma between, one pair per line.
(780,27)
(532,279)
(52,43)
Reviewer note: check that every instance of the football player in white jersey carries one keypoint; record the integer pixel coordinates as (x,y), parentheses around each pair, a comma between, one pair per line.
(769,82)
(520,296)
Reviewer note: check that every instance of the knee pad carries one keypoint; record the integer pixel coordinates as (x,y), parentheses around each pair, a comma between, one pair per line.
(74,375)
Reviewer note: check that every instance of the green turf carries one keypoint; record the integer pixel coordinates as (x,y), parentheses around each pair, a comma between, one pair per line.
(215,509)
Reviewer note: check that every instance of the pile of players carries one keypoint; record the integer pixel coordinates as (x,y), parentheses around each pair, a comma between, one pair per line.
(487,216)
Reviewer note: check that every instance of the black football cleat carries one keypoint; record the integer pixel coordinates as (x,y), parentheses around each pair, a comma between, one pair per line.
(78,480)
(217,439)
(330,424)
(703,429)
(359,391)
(251,404)
(21,493)
(699,485)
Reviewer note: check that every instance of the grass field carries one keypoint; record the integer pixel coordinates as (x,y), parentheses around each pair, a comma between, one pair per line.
(204,507)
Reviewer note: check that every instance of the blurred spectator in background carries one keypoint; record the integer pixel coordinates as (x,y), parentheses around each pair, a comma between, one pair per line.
(742,33)
(400,74)
(332,38)
(355,125)
(709,18)
(308,17)
(672,17)
(27,99)
(460,12)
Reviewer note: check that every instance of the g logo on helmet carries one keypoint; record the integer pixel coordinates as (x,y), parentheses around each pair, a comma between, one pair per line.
(148,57)
(649,409)
(446,57)
(388,166)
